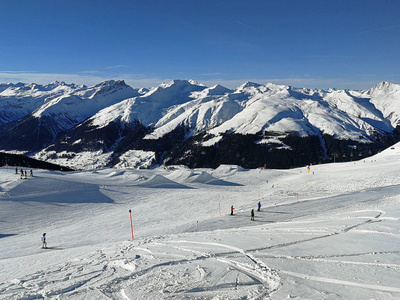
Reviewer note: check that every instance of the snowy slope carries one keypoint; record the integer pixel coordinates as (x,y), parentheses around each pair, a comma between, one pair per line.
(332,233)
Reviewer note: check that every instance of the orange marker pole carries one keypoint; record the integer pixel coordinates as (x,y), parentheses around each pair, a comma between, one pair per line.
(130,213)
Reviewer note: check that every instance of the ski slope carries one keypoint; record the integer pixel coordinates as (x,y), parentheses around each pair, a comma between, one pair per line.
(332,233)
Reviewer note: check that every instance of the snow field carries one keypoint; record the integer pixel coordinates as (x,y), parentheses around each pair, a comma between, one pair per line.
(332,233)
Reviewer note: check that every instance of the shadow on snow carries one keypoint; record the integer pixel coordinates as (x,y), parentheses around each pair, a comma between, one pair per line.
(6,235)
(50,190)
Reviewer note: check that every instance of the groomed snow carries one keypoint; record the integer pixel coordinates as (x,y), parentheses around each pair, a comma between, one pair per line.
(332,233)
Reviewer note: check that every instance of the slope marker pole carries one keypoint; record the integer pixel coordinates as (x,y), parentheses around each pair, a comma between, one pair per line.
(130,213)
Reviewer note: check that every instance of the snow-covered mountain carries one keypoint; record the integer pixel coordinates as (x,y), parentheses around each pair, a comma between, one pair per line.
(72,108)
(33,115)
(151,106)
(19,100)
(186,122)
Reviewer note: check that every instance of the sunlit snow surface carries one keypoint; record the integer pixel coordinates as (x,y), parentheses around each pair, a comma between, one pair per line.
(332,233)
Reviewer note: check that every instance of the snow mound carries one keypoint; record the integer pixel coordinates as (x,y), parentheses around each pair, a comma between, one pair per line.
(52,190)
(206,178)
(228,169)
(191,176)
(115,173)
(159,181)
(181,175)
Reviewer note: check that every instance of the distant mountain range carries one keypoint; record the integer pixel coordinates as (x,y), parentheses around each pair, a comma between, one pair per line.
(185,122)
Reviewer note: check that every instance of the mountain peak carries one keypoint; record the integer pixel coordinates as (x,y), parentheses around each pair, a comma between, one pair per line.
(111,86)
(384,87)
(249,84)
(175,87)
(113,83)
(180,83)
(218,90)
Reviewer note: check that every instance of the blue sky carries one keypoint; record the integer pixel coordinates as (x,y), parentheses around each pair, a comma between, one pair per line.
(352,44)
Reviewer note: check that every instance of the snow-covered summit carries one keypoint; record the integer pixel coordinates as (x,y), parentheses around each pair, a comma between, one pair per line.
(248,84)
(176,88)
(384,87)
(385,96)
(19,100)
(71,109)
(218,90)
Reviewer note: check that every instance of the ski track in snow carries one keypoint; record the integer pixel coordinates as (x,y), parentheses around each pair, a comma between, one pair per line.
(264,275)
(343,282)
(335,241)
(101,274)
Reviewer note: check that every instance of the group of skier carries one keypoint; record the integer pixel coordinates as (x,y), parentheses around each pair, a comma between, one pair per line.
(252,211)
(23,173)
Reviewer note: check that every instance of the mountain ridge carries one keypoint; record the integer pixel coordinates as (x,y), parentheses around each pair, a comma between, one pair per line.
(59,122)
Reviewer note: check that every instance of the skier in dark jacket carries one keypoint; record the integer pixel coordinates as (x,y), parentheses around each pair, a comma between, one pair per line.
(44,244)
(252,214)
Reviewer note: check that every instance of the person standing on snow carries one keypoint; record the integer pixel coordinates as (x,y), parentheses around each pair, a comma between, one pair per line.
(44,244)
(259,206)
(252,214)
(231,210)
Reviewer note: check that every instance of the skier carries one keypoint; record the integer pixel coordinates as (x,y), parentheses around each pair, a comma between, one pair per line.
(31,173)
(44,244)
(259,206)
(252,214)
(231,210)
